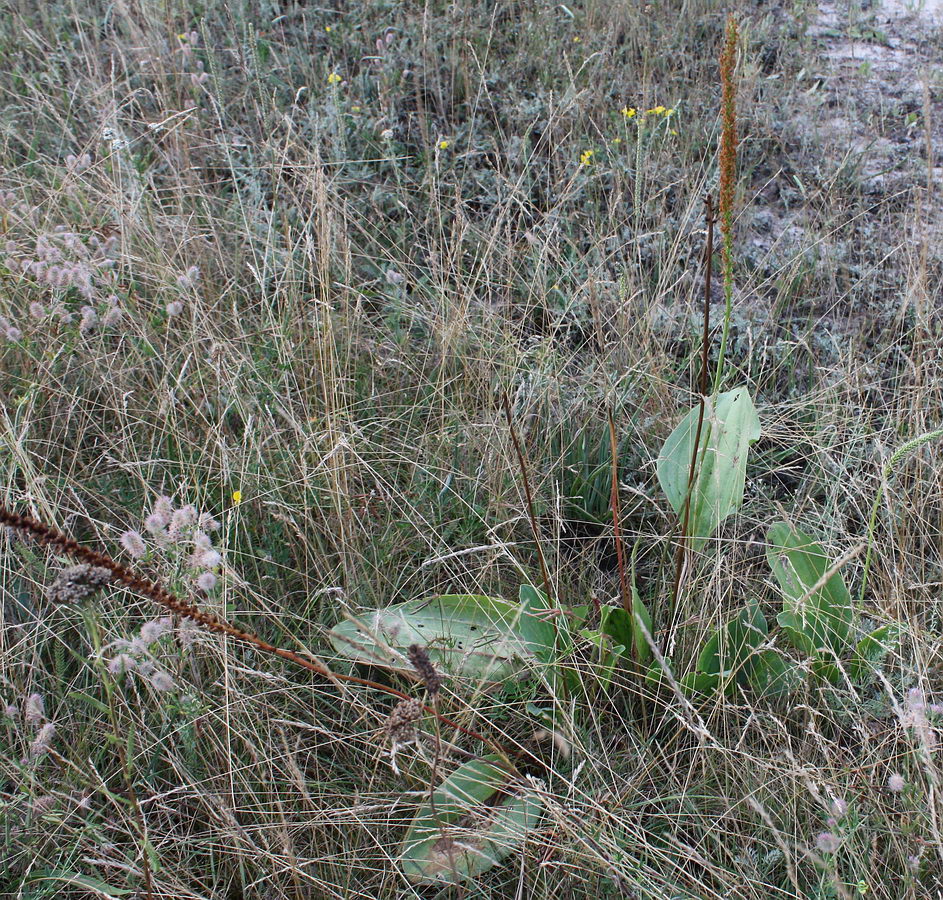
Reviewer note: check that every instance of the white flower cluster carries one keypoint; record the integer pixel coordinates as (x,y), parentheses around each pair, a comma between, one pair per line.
(138,655)
(181,527)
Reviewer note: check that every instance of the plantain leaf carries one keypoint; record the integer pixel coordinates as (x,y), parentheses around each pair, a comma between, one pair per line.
(465,634)
(630,632)
(699,684)
(815,619)
(552,640)
(694,684)
(730,651)
(871,650)
(727,431)
(473,822)
(773,675)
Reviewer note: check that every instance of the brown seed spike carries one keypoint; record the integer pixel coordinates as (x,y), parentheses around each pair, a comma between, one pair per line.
(419,658)
(78,583)
(401,726)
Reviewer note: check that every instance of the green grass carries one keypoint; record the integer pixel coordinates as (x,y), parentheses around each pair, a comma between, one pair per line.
(359,413)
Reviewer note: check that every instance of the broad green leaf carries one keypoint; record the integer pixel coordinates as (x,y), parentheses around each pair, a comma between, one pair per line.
(815,620)
(826,670)
(773,675)
(699,684)
(793,626)
(872,649)
(609,654)
(726,434)
(473,822)
(694,684)
(465,634)
(555,639)
(655,675)
(629,632)
(537,609)
(729,651)
(641,626)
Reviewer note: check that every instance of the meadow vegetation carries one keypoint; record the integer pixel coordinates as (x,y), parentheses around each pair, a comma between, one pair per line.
(373,328)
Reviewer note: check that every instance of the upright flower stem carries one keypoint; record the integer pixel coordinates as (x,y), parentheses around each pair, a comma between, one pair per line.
(702,399)
(728,178)
(522,462)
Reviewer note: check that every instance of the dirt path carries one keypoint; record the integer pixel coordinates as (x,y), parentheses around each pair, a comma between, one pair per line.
(883,65)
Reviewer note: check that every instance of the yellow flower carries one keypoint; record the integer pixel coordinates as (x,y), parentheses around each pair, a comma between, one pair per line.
(577,39)
(656,111)
(617,141)
(328,29)
(443,145)
(355,109)
(628,111)
(333,78)
(237,497)
(586,157)
(669,112)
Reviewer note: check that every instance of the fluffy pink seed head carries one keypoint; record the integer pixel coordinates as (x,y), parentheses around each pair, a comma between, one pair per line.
(182,521)
(895,783)
(35,709)
(161,681)
(134,544)
(208,523)
(839,808)
(163,508)
(209,559)
(42,740)
(154,523)
(827,842)
(206,581)
(121,663)
(155,629)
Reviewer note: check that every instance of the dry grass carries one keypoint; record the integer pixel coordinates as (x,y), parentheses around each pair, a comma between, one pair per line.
(365,294)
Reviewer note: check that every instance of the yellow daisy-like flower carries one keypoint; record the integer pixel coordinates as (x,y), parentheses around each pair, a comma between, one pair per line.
(237,497)
(656,111)
(629,112)
(586,157)
(443,145)
(328,28)
(333,78)
(577,39)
